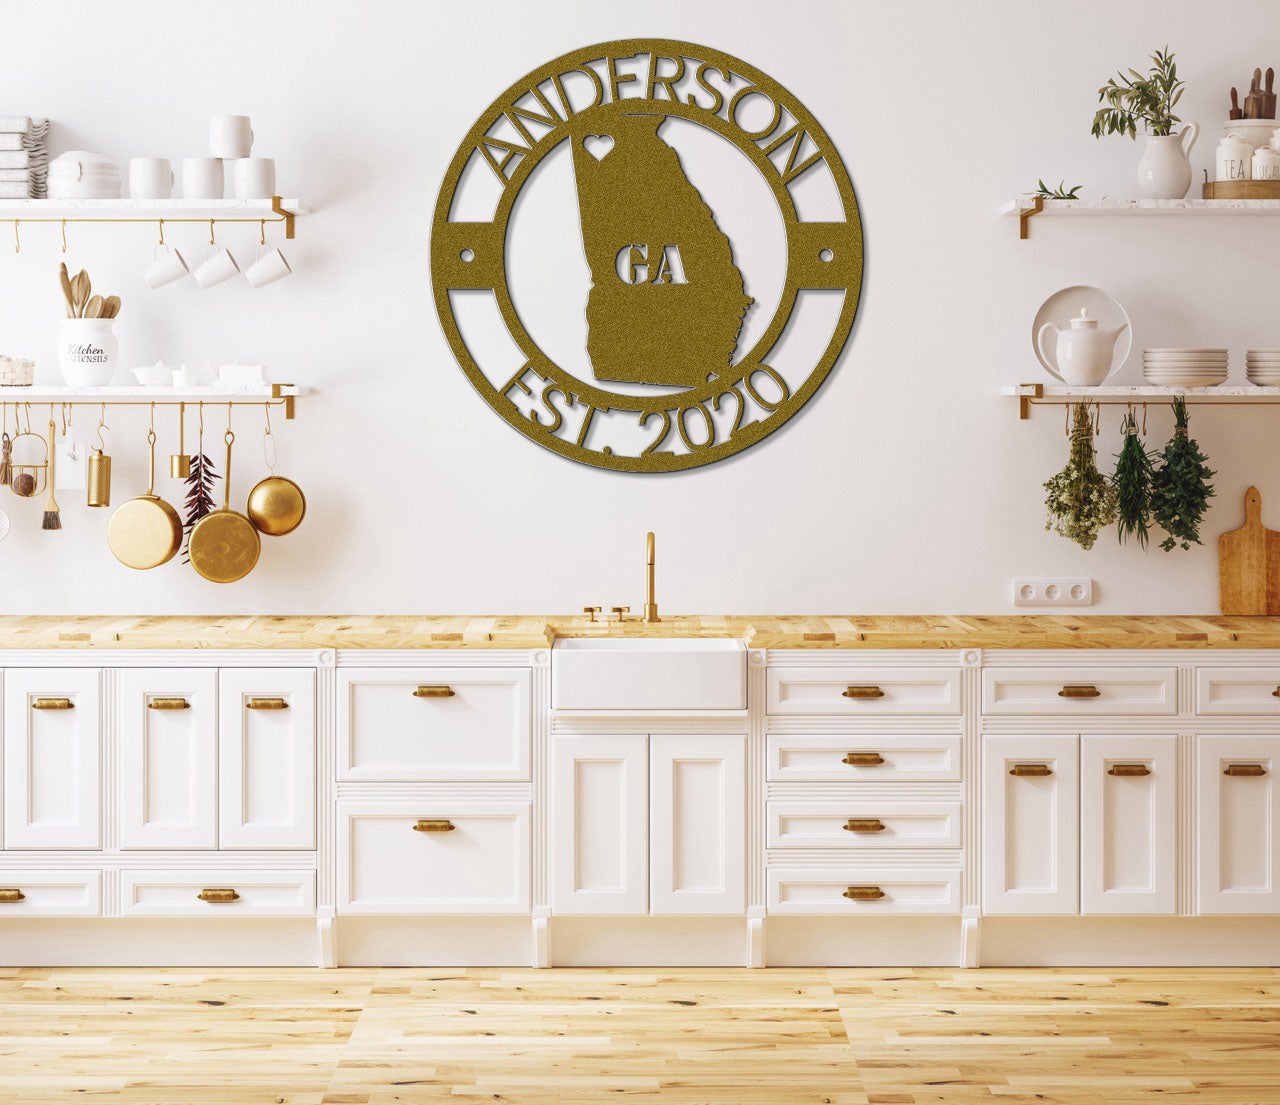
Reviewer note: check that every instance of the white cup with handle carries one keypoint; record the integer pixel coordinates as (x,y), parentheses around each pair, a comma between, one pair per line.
(202,178)
(230,136)
(216,268)
(150,178)
(255,178)
(166,268)
(268,268)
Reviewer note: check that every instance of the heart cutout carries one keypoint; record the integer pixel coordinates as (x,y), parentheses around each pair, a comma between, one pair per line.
(598,145)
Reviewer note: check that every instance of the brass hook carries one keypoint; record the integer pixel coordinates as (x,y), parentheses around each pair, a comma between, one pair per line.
(17,239)
(67,420)
(64,235)
(102,425)
(268,441)
(160,224)
(211,238)
(202,416)
(27,412)
(262,232)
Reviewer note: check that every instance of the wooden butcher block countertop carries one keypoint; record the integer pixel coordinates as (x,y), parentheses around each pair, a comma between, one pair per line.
(534,631)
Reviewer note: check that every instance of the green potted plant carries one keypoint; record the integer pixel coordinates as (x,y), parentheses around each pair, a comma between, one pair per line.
(1165,169)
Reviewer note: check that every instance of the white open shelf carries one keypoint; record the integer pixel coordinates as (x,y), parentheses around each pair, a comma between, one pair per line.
(1028,207)
(1032,395)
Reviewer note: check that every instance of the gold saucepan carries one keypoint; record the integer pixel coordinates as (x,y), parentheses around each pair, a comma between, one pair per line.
(145,532)
(276,505)
(223,545)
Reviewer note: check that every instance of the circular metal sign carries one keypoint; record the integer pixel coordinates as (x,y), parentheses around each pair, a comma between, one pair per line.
(677,371)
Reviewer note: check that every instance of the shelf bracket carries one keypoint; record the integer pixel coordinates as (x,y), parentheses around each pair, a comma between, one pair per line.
(1026,393)
(1025,215)
(287,216)
(276,393)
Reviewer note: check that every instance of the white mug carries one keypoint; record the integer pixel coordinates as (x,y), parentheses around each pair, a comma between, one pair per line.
(255,178)
(201,178)
(166,269)
(230,136)
(216,268)
(267,269)
(150,178)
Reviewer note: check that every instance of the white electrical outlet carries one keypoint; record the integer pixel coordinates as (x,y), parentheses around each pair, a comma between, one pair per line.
(1053,591)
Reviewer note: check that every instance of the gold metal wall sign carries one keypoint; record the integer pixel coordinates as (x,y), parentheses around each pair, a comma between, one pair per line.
(669,388)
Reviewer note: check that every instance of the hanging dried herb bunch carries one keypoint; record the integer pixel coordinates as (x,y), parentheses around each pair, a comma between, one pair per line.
(1080,501)
(1181,490)
(199,501)
(1132,481)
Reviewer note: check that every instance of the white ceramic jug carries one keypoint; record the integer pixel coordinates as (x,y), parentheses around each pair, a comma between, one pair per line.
(1164,173)
(1082,355)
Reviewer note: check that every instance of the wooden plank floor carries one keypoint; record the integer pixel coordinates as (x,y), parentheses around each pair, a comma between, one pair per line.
(688,1037)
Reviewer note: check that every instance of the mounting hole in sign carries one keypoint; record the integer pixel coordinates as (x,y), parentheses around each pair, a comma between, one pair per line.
(825,255)
(468,254)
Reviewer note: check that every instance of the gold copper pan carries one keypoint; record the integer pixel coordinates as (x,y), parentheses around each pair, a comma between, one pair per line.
(224,546)
(145,532)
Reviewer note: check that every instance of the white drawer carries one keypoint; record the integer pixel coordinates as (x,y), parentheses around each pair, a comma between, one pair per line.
(50,893)
(861,823)
(434,724)
(1238,691)
(901,889)
(863,692)
(480,865)
(217,893)
(863,758)
(1079,692)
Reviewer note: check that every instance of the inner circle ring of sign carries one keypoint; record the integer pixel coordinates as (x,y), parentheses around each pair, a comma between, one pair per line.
(581,123)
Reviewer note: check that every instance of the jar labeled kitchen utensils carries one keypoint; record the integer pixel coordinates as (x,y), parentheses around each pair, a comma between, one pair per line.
(87,351)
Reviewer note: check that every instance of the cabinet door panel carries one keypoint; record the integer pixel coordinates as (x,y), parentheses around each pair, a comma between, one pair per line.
(1031,822)
(1238,827)
(168,745)
(697,825)
(600,825)
(1128,824)
(52,758)
(267,725)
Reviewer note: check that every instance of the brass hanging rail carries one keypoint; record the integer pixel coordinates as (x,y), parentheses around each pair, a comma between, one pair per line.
(153,211)
(272,395)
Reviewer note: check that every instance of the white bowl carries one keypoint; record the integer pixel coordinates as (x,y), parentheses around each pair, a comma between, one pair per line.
(154,375)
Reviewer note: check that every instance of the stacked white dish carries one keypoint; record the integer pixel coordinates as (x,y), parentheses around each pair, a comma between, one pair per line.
(81,175)
(1184,367)
(1262,367)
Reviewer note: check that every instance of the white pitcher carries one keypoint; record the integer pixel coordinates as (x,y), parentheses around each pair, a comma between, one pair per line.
(1164,173)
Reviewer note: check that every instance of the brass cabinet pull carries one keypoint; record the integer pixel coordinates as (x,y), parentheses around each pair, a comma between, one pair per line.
(168,704)
(1249,770)
(1079,690)
(11,894)
(1123,770)
(218,894)
(434,825)
(862,759)
(266,704)
(864,825)
(870,691)
(1276,693)
(53,704)
(1033,771)
(864,893)
(433,692)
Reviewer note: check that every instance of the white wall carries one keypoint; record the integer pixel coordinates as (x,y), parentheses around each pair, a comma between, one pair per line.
(906,485)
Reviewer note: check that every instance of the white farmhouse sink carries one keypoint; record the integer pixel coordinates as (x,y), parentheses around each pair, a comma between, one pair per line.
(648,673)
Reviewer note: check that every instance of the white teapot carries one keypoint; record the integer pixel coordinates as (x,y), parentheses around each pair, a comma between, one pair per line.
(1082,355)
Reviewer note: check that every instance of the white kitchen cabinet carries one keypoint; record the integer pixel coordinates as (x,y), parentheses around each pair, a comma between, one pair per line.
(863,691)
(1128,824)
(861,823)
(217,893)
(863,758)
(1079,691)
(168,757)
(697,845)
(52,758)
(50,893)
(863,889)
(600,824)
(1031,824)
(267,751)
(1238,824)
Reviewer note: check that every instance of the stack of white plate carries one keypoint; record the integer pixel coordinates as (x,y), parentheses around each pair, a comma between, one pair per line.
(79,174)
(1262,367)
(1185,368)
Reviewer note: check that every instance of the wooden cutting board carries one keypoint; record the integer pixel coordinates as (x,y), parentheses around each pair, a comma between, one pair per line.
(1249,564)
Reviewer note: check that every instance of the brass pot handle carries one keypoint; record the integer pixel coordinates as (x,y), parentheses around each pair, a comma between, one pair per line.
(433,692)
(864,825)
(867,691)
(862,759)
(864,893)
(434,825)
(53,704)
(1245,770)
(266,704)
(1032,771)
(1079,690)
(168,704)
(1128,770)
(11,894)
(218,894)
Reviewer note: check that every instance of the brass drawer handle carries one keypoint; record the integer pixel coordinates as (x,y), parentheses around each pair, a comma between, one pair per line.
(863,759)
(168,704)
(218,894)
(1248,770)
(434,825)
(1079,690)
(1276,693)
(11,894)
(864,893)
(870,691)
(266,704)
(433,692)
(53,704)
(1032,771)
(864,825)
(1128,770)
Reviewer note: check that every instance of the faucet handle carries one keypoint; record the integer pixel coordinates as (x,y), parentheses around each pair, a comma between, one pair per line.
(620,610)
(592,610)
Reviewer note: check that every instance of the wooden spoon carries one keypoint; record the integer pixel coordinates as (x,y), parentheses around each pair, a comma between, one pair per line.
(65,281)
(93,309)
(80,292)
(110,307)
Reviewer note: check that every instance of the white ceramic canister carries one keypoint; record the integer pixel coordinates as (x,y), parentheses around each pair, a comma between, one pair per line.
(87,351)
(1233,159)
(1266,164)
